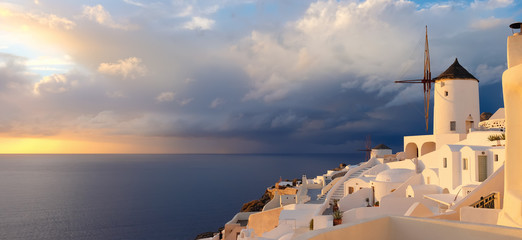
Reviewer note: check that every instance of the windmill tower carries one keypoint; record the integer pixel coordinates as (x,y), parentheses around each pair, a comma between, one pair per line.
(456,99)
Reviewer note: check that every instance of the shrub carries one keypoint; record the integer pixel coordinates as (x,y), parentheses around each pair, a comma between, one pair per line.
(497,137)
(311,224)
(338,215)
(294,182)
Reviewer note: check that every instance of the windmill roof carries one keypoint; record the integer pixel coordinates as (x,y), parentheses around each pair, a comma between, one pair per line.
(381,146)
(456,71)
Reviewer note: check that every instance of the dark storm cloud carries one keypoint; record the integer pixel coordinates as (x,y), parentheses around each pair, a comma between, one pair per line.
(275,76)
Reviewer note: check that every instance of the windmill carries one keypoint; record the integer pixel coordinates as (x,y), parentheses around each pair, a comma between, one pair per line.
(368,148)
(426,81)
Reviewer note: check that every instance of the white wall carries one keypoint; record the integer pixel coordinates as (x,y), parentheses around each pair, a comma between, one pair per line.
(512,86)
(401,190)
(407,228)
(322,221)
(431,176)
(288,199)
(384,188)
(274,203)
(450,177)
(418,191)
(468,175)
(300,214)
(379,153)
(480,138)
(462,100)
(355,200)
(391,206)
(479,215)
(501,152)
(356,184)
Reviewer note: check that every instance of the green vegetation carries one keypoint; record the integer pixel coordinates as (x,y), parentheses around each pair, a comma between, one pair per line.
(338,214)
(497,137)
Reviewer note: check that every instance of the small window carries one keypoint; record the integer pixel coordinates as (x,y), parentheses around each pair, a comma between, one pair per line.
(445,162)
(453,126)
(496,157)
(446,93)
(465,164)
(442,84)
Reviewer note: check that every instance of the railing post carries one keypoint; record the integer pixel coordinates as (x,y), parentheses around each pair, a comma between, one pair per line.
(491,200)
(497,200)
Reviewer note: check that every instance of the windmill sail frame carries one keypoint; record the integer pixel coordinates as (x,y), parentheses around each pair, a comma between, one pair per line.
(426,81)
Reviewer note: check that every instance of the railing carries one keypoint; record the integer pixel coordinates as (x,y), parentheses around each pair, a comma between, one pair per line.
(329,186)
(351,171)
(486,202)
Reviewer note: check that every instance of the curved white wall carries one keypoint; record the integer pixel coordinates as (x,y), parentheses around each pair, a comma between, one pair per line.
(462,99)
(512,86)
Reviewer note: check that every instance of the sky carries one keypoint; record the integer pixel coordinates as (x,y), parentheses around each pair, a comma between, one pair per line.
(234,76)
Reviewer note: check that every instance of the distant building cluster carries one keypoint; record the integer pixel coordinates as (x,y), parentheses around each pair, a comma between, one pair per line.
(497,121)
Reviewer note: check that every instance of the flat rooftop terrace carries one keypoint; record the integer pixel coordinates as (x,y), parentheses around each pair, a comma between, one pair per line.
(410,228)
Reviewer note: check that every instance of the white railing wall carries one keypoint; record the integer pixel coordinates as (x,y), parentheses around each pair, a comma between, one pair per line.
(340,183)
(356,199)
(274,203)
(377,169)
(329,186)
(401,190)
(302,192)
(494,183)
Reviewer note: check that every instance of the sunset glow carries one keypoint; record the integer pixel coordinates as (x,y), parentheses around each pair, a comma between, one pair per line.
(232,76)
(50,145)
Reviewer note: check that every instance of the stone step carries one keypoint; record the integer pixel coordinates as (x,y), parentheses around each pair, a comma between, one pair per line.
(339,192)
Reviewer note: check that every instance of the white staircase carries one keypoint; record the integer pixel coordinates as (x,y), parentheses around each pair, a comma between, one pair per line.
(339,192)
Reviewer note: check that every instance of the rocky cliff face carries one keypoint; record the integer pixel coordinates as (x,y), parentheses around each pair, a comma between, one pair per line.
(257,205)
(485,116)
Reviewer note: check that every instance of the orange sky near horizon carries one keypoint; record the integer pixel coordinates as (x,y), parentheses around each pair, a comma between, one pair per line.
(120,144)
(61,146)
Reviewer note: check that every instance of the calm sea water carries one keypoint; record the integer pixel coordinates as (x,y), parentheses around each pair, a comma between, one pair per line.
(137,196)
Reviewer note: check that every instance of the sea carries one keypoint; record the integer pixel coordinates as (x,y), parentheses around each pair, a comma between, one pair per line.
(115,196)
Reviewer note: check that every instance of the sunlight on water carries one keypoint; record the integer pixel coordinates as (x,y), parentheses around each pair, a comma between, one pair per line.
(137,196)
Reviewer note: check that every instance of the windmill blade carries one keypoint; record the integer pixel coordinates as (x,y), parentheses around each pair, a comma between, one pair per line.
(410,81)
(426,81)
(368,149)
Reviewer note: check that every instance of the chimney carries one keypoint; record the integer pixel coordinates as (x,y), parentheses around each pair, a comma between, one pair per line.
(514,46)
(516,26)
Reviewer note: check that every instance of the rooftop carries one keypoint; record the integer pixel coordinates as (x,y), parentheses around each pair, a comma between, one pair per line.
(456,71)
(381,146)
